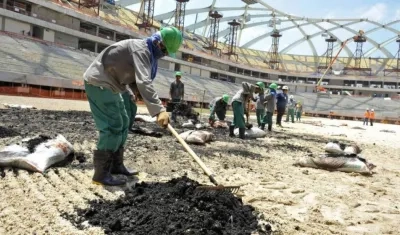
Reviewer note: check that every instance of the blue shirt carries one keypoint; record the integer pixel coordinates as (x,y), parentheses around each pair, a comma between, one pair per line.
(281,100)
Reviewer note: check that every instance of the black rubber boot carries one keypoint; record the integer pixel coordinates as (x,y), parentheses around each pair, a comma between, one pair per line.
(241,133)
(231,130)
(102,161)
(269,127)
(262,126)
(118,166)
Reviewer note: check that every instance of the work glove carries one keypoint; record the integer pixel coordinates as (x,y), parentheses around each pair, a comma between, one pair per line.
(163,119)
(133,98)
(210,121)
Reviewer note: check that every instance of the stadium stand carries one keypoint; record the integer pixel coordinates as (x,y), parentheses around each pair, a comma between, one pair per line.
(24,56)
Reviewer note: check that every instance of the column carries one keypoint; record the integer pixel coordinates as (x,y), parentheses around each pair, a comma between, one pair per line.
(115,36)
(96,47)
(97,30)
(4,4)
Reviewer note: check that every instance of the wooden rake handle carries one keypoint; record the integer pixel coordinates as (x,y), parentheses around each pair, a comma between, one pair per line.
(193,155)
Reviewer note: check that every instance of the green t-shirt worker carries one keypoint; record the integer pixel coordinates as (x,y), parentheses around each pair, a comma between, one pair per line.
(131,62)
(218,106)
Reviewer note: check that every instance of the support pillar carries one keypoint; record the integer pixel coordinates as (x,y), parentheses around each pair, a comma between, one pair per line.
(97,30)
(3,23)
(4,4)
(115,36)
(96,46)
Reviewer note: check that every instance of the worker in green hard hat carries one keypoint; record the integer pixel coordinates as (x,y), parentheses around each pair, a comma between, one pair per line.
(269,103)
(260,109)
(218,106)
(132,63)
(176,92)
(239,101)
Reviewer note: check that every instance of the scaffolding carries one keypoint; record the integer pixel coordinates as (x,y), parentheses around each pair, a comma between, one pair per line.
(358,56)
(273,56)
(180,14)
(146,14)
(232,39)
(329,53)
(396,57)
(215,17)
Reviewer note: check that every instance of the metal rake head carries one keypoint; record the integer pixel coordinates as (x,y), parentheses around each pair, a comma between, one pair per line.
(232,189)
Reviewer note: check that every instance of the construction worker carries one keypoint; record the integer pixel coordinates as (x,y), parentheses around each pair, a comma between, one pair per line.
(269,103)
(131,62)
(218,106)
(366,117)
(291,108)
(371,117)
(260,109)
(176,92)
(239,101)
(281,102)
(299,111)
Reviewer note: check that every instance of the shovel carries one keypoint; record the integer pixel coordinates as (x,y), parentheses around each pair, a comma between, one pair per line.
(210,175)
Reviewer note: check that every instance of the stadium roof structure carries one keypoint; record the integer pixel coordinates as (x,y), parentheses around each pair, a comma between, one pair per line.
(258,19)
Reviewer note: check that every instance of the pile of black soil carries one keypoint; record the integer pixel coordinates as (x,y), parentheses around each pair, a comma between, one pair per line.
(175,207)
(7,132)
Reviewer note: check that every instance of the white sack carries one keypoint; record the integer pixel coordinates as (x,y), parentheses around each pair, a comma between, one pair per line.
(344,164)
(220,124)
(253,133)
(197,137)
(18,106)
(145,118)
(45,155)
(336,149)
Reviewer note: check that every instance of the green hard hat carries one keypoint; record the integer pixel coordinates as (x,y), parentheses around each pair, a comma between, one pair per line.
(172,39)
(261,85)
(273,86)
(178,73)
(225,98)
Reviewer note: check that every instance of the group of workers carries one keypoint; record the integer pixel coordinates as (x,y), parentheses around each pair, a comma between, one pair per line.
(124,71)
(266,101)
(369,115)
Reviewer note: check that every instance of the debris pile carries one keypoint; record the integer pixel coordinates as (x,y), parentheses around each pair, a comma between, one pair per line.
(175,207)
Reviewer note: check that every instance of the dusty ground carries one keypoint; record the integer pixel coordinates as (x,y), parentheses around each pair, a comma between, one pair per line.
(295,200)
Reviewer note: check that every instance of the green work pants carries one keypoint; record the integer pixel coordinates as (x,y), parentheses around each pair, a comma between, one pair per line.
(238,115)
(260,115)
(267,120)
(298,116)
(291,114)
(131,108)
(110,117)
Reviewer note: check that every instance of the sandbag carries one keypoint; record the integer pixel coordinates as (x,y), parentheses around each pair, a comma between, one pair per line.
(342,149)
(220,124)
(188,124)
(252,133)
(18,106)
(197,137)
(344,164)
(38,159)
(145,118)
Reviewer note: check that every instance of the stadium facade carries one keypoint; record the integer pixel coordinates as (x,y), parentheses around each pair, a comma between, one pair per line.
(47,44)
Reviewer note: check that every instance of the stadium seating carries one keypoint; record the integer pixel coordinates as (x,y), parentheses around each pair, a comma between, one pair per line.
(29,56)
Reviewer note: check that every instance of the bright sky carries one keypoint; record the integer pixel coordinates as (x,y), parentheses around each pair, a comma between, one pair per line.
(382,11)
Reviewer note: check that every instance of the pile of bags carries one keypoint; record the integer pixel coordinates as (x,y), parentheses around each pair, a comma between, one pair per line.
(339,157)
